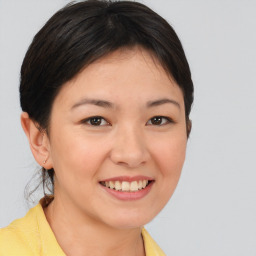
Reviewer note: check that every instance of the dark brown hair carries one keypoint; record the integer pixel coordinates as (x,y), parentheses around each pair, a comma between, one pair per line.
(83,32)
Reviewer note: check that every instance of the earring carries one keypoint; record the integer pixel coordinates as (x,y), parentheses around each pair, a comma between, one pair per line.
(45,161)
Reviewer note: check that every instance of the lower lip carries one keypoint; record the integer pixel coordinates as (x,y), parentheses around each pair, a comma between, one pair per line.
(129,196)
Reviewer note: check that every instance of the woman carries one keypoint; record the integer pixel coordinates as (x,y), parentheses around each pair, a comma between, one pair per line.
(106,94)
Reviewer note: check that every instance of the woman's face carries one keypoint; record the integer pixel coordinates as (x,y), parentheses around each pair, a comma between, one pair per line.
(117,126)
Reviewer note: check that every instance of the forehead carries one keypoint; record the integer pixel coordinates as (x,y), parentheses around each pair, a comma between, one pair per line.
(126,74)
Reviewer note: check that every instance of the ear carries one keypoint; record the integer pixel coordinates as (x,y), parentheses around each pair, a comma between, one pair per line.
(189,127)
(38,140)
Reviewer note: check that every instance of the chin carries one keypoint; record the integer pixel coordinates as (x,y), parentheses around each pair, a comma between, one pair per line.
(130,219)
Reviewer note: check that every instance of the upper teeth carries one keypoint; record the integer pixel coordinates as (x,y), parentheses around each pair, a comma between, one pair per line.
(125,185)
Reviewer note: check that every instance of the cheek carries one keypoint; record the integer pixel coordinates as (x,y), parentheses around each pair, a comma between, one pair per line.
(76,156)
(76,166)
(170,153)
(169,156)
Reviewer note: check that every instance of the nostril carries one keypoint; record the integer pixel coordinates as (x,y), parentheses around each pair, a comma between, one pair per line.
(127,158)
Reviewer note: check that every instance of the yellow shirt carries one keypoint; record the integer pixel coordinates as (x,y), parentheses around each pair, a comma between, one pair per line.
(32,236)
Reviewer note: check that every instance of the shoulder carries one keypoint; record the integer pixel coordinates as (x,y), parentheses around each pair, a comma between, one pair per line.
(151,247)
(21,236)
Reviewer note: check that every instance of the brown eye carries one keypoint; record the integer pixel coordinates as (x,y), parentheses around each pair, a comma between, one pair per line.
(156,120)
(96,121)
(159,120)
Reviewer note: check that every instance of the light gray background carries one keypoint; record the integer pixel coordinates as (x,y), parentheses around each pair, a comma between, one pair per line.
(213,211)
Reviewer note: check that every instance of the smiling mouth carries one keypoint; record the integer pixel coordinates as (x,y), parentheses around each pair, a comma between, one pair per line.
(126,186)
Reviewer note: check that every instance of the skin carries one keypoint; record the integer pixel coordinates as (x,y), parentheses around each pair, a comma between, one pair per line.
(126,143)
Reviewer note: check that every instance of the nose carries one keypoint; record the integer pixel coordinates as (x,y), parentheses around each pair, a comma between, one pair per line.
(129,148)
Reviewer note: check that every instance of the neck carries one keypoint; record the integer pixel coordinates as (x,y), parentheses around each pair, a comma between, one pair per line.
(87,236)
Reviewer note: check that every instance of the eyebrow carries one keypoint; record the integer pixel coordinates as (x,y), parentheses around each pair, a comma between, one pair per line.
(107,104)
(161,102)
(96,102)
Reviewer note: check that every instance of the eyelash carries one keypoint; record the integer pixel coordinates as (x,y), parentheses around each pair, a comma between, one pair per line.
(160,118)
(89,121)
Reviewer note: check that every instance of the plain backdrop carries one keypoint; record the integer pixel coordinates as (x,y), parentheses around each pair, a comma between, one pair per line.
(213,210)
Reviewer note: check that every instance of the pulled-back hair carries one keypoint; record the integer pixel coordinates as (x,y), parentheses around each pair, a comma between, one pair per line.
(83,32)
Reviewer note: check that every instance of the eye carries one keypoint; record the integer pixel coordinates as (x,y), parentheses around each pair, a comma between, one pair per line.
(159,120)
(96,121)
